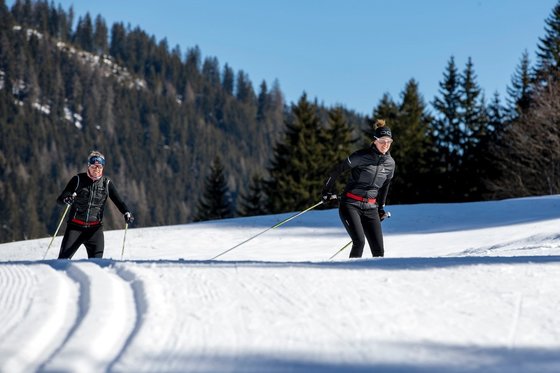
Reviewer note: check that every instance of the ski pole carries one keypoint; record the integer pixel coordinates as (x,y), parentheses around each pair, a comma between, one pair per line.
(124,239)
(266,230)
(387,215)
(343,247)
(57,228)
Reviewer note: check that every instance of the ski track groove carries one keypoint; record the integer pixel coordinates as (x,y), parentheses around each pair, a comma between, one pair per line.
(515,321)
(45,317)
(141,304)
(157,322)
(105,319)
(17,286)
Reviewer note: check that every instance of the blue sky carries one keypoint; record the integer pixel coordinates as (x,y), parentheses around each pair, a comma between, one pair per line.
(344,52)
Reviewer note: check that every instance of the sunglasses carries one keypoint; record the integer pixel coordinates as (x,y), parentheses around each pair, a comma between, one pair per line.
(96,159)
(384,141)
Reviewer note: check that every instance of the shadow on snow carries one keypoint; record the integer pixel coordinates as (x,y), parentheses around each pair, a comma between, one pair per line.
(412,263)
(443,358)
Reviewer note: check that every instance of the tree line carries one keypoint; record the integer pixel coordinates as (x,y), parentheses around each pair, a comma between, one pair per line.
(188,139)
(468,148)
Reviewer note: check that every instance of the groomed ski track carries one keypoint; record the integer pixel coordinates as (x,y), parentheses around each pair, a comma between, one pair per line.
(147,316)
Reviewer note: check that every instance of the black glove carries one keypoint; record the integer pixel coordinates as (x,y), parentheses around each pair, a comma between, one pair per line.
(69,199)
(328,196)
(383,214)
(128,218)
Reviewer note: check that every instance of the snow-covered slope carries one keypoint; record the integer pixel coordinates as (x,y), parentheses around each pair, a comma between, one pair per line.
(463,288)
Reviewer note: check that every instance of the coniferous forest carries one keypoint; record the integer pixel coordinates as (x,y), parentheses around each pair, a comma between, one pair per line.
(187,138)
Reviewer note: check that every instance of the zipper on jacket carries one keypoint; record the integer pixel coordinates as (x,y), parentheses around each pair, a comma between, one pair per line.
(376,172)
(91,194)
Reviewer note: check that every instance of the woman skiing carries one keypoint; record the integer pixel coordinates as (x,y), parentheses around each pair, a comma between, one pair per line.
(87,193)
(363,201)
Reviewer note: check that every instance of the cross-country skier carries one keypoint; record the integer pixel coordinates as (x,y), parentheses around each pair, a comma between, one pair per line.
(87,193)
(362,204)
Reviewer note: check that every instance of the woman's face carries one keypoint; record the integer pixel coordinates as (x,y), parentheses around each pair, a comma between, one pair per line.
(383,144)
(95,170)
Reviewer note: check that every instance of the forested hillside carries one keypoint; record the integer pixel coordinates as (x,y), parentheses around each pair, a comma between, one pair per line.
(160,116)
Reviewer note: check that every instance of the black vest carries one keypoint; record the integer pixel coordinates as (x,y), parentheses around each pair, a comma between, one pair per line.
(90,199)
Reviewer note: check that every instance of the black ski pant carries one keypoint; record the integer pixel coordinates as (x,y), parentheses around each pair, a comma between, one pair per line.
(92,238)
(359,223)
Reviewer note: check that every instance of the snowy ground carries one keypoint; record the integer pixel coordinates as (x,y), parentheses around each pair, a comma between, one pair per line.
(463,288)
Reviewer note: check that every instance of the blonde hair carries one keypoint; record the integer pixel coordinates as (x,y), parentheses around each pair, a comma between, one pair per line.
(95,153)
(380,130)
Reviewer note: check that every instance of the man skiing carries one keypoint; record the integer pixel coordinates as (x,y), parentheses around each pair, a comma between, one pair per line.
(87,193)
(363,200)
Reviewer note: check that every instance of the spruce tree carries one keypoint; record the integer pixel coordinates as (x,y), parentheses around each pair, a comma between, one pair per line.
(473,111)
(446,126)
(519,93)
(447,134)
(215,202)
(548,49)
(296,171)
(488,150)
(412,148)
(244,88)
(84,33)
(475,129)
(496,118)
(100,36)
(252,201)
(228,80)
(338,142)
(262,102)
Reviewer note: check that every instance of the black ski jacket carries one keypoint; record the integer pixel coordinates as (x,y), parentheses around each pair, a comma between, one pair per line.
(90,201)
(371,174)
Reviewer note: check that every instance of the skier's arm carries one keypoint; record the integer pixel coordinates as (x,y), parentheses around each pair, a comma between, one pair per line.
(116,198)
(70,188)
(334,173)
(384,191)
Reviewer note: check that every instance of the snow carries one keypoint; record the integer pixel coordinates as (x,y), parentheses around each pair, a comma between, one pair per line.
(463,288)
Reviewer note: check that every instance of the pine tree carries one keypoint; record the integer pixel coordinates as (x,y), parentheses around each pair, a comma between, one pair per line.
(447,134)
(6,19)
(244,88)
(23,12)
(296,171)
(548,49)
(488,153)
(262,102)
(521,88)
(84,33)
(228,80)
(100,36)
(475,130)
(252,201)
(338,142)
(117,48)
(473,111)
(215,202)
(41,16)
(446,126)
(411,149)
